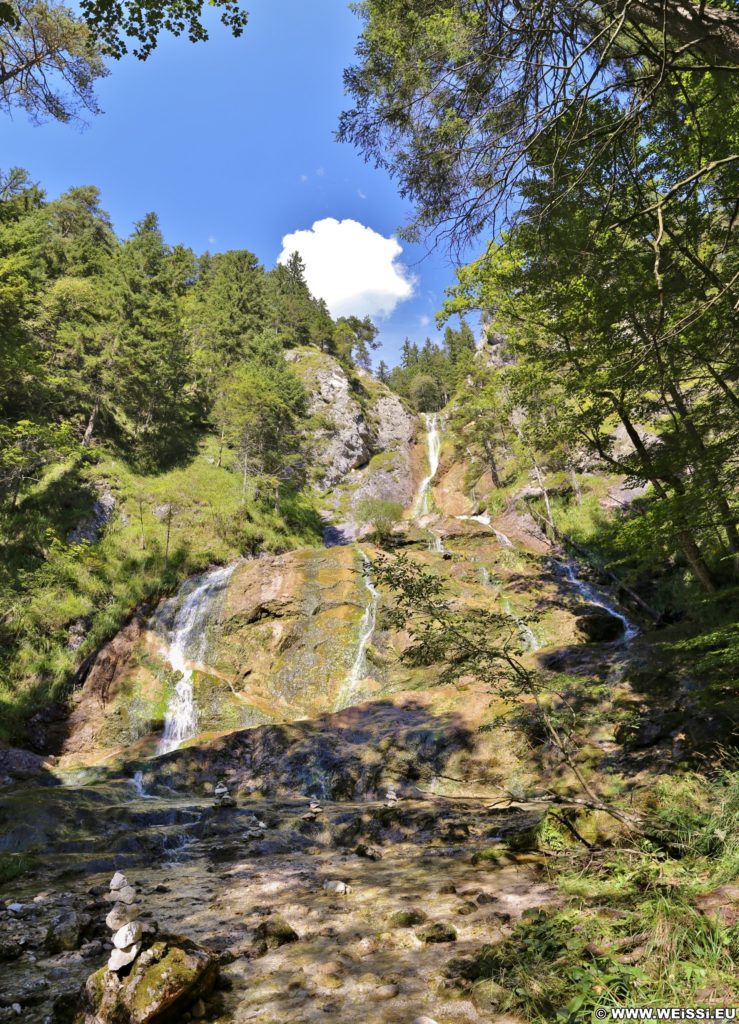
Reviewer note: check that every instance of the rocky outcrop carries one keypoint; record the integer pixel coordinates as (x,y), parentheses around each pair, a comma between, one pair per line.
(90,529)
(90,723)
(338,757)
(342,440)
(361,447)
(164,983)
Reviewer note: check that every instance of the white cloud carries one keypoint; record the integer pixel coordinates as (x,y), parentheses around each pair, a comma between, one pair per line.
(424,320)
(361,194)
(303,177)
(355,269)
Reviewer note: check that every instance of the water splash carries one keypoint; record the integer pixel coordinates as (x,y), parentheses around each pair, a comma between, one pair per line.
(422,505)
(358,671)
(138,784)
(595,596)
(186,641)
(436,543)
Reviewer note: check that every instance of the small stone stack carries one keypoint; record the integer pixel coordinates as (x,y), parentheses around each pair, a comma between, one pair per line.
(222,796)
(313,812)
(123,921)
(391,797)
(255,828)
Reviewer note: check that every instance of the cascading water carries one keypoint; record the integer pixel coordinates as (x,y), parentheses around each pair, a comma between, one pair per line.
(138,784)
(422,504)
(358,671)
(485,520)
(186,641)
(594,596)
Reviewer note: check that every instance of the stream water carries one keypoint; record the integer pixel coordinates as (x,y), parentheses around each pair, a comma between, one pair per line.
(183,623)
(422,504)
(358,671)
(600,598)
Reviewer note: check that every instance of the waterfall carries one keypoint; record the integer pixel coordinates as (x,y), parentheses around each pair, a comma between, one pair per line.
(186,641)
(358,670)
(137,781)
(596,597)
(485,520)
(433,447)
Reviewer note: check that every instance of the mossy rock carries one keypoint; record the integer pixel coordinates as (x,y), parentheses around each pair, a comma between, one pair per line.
(164,981)
(437,931)
(407,919)
(275,932)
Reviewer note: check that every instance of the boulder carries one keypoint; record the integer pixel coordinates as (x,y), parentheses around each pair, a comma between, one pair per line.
(65,932)
(275,932)
(165,982)
(437,932)
(599,627)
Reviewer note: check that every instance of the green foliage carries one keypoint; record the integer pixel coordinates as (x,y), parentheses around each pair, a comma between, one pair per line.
(631,932)
(427,376)
(134,368)
(454,97)
(381,515)
(115,24)
(50,61)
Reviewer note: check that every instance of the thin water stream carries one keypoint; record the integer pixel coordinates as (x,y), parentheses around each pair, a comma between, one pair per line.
(351,689)
(183,624)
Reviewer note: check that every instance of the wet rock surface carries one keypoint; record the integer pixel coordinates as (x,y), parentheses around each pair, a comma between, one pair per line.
(291,945)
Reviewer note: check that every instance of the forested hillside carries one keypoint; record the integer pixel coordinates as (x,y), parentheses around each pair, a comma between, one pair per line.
(142,382)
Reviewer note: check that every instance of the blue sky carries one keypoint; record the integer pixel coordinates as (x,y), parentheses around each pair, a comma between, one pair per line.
(232,143)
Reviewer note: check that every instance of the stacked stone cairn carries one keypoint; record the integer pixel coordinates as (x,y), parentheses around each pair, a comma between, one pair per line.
(222,796)
(123,921)
(313,812)
(391,797)
(255,829)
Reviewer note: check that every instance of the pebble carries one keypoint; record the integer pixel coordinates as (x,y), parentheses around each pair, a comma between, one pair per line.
(337,886)
(424,1020)
(386,992)
(118,881)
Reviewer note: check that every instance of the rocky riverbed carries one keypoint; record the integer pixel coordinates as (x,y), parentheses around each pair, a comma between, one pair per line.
(351,911)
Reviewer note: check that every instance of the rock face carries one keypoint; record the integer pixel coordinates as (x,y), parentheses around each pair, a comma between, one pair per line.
(89,529)
(363,446)
(165,981)
(343,440)
(90,718)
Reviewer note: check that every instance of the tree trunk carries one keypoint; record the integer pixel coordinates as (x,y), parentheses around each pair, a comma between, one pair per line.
(685,538)
(90,428)
(707,31)
(490,456)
